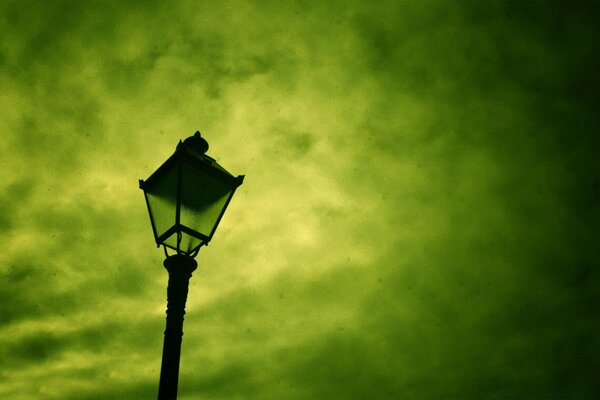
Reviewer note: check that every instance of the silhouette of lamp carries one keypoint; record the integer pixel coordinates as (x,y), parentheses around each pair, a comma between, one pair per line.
(186,198)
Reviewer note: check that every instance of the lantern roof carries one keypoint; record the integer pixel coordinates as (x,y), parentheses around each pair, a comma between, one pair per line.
(193,150)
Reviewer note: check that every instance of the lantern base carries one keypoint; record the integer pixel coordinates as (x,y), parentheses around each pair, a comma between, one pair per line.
(180,263)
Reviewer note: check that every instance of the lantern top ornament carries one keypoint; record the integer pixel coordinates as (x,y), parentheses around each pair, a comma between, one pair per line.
(195,143)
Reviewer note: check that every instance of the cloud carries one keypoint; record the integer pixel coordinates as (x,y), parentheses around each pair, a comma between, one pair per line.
(417,220)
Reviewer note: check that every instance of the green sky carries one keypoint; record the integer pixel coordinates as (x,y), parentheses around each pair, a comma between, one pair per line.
(419,220)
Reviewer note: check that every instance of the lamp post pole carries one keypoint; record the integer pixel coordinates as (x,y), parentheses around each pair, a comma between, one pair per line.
(180,268)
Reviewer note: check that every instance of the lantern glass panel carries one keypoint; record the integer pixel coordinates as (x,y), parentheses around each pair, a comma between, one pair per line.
(161,201)
(203,199)
(189,242)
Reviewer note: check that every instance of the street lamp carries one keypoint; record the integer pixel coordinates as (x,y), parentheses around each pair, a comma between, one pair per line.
(186,198)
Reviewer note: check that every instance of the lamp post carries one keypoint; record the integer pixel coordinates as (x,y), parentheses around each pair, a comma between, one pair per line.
(186,198)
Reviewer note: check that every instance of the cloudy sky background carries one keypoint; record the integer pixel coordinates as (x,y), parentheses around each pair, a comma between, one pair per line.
(419,217)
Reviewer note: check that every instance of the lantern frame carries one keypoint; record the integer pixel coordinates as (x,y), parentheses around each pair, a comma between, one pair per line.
(190,154)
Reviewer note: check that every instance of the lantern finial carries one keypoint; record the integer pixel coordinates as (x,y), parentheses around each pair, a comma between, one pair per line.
(196,143)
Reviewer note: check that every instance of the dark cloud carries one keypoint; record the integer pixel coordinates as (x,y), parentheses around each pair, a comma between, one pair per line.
(37,348)
(18,301)
(132,391)
(13,200)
